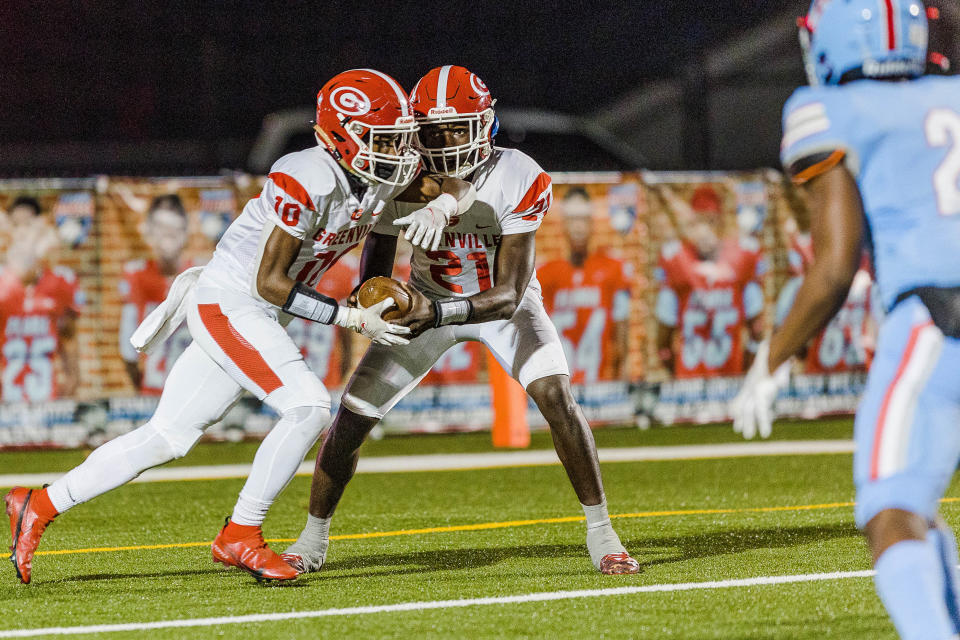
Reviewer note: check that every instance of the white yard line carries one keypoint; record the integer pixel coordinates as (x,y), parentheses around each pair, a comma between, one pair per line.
(454,461)
(434,604)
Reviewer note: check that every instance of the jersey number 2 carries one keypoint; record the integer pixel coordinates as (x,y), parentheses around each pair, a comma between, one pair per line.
(943,128)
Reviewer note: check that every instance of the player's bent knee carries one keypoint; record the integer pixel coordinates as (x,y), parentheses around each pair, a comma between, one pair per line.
(310,420)
(179,440)
(361,407)
(553,394)
(305,391)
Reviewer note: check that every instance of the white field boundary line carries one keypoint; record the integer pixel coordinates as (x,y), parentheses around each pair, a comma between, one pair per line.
(434,604)
(461,461)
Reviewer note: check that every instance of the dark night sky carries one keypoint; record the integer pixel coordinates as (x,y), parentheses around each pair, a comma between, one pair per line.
(93,70)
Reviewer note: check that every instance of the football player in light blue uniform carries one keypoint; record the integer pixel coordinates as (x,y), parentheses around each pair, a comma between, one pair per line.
(878,148)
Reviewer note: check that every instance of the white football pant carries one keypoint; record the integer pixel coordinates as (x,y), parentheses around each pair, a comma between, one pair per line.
(527,346)
(238,344)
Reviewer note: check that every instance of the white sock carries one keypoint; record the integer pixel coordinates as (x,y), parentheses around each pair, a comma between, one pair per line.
(313,543)
(113,464)
(602,540)
(276,462)
(596,514)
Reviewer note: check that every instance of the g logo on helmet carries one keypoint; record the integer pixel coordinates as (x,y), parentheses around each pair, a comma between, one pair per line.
(478,84)
(350,101)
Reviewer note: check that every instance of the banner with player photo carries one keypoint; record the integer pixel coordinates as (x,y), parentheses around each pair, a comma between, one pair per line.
(727,253)
(659,284)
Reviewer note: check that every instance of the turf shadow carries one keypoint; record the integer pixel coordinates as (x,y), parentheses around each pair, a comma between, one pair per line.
(668,549)
(137,576)
(716,543)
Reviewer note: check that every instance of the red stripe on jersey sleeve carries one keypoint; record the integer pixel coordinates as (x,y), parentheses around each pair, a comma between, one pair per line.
(533,193)
(293,188)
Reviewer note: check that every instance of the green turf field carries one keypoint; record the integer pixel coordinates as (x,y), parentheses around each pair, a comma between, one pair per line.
(735,539)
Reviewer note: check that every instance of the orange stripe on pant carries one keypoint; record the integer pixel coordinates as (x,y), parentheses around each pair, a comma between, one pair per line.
(241,352)
(882,419)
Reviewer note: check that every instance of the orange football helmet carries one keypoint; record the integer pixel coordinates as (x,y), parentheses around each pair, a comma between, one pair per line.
(452,94)
(365,120)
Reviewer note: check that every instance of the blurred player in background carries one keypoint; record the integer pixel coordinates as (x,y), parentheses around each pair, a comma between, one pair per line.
(848,341)
(476,283)
(710,293)
(145,285)
(587,296)
(316,205)
(39,306)
(878,147)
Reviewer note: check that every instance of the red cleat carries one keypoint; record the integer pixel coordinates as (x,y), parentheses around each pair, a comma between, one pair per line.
(615,564)
(30,512)
(243,546)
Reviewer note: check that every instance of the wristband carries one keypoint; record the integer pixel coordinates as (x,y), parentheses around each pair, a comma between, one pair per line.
(452,311)
(310,304)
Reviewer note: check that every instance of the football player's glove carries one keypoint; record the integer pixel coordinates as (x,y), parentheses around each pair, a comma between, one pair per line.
(367,321)
(426,225)
(752,408)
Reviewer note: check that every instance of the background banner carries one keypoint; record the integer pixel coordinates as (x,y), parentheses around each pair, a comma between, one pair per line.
(660,285)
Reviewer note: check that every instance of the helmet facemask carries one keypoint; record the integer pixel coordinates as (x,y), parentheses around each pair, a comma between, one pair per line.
(398,168)
(457,161)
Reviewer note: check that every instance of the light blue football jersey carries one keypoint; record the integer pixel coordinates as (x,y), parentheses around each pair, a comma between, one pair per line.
(902,144)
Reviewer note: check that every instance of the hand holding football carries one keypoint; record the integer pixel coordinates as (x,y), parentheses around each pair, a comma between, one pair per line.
(376,289)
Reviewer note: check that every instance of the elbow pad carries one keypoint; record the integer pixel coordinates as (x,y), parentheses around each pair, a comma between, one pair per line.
(310,304)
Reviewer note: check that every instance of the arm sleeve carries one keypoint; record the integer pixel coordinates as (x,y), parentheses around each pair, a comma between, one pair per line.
(285,197)
(815,134)
(527,214)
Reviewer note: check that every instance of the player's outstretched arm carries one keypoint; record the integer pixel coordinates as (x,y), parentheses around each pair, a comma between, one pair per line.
(512,270)
(445,197)
(836,227)
(836,224)
(274,285)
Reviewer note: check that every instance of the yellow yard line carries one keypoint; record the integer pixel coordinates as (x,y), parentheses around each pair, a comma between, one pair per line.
(483,526)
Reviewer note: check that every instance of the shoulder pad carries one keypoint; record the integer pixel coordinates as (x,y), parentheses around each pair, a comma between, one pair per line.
(313,170)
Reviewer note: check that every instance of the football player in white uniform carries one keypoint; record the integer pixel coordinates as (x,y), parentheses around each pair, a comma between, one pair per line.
(315,206)
(476,282)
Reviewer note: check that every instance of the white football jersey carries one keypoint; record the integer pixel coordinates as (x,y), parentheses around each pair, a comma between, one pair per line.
(308,196)
(513,194)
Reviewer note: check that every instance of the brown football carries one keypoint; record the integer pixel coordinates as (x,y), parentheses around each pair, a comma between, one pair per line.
(376,289)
